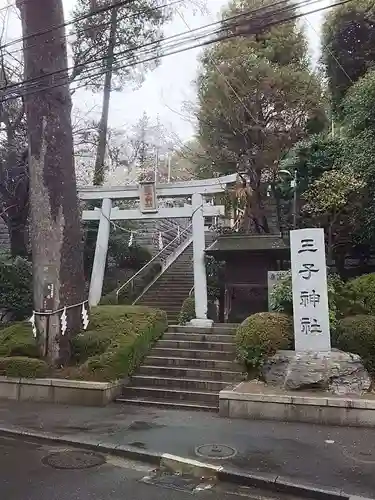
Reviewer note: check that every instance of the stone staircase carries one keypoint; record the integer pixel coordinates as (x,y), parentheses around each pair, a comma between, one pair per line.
(174,285)
(186,369)
(172,288)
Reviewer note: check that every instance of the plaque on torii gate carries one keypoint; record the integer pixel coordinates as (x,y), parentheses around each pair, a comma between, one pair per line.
(148,197)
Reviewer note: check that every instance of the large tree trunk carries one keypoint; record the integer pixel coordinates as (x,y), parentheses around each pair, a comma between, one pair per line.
(103,124)
(55,226)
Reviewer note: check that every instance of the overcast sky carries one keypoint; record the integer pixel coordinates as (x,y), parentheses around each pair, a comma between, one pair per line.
(171,84)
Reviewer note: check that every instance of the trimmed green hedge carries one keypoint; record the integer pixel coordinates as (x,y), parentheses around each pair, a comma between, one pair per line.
(356,334)
(187,312)
(91,344)
(118,339)
(23,367)
(261,335)
(17,340)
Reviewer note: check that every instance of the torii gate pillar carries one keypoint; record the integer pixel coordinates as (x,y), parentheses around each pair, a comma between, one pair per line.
(200,280)
(100,258)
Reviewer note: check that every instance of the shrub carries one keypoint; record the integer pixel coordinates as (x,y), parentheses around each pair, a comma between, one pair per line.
(362,290)
(17,340)
(85,345)
(16,287)
(23,367)
(341,301)
(261,335)
(356,334)
(133,331)
(187,312)
(131,292)
(120,255)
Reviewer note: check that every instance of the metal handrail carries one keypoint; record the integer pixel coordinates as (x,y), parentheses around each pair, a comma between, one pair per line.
(150,261)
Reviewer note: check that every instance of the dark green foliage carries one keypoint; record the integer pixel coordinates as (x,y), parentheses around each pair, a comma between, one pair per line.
(341,299)
(137,24)
(23,367)
(362,290)
(214,270)
(119,353)
(17,340)
(348,46)
(358,105)
(92,343)
(131,292)
(187,311)
(123,256)
(311,158)
(257,73)
(356,334)
(120,255)
(16,287)
(260,336)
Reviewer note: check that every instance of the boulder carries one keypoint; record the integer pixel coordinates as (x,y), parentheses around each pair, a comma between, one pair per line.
(338,372)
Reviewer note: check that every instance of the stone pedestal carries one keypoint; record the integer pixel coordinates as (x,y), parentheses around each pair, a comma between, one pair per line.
(338,372)
(202,323)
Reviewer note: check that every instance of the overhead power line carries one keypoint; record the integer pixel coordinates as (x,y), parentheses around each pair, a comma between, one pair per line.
(128,2)
(101,10)
(101,25)
(223,26)
(169,52)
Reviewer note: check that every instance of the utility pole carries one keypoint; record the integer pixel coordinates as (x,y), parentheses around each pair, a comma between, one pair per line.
(169,167)
(157,150)
(295,185)
(58,279)
(103,124)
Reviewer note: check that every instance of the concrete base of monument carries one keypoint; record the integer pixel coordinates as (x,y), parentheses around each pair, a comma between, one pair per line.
(202,323)
(256,400)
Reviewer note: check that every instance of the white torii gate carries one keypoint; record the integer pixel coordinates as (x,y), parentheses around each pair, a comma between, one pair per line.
(197,210)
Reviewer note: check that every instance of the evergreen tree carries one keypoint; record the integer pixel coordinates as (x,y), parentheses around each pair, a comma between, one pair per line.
(256,97)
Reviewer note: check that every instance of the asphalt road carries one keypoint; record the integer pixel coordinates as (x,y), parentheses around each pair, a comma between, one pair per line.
(26,475)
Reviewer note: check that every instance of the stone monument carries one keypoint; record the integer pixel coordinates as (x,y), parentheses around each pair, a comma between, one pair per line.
(313,365)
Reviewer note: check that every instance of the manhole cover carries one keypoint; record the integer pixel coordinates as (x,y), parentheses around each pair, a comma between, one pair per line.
(73,460)
(218,451)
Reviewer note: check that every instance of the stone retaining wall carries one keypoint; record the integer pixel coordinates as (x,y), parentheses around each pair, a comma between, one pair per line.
(63,391)
(267,403)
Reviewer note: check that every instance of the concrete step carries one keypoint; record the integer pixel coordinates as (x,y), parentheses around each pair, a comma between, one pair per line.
(201,364)
(216,329)
(164,403)
(161,299)
(191,373)
(185,384)
(198,337)
(192,345)
(192,353)
(206,397)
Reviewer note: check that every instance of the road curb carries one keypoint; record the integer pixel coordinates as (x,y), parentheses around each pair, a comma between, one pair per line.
(176,463)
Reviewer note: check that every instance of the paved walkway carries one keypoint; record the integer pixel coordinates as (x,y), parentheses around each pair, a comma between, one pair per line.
(331,457)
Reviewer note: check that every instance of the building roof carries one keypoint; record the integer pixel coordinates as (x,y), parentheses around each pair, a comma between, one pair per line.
(248,243)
